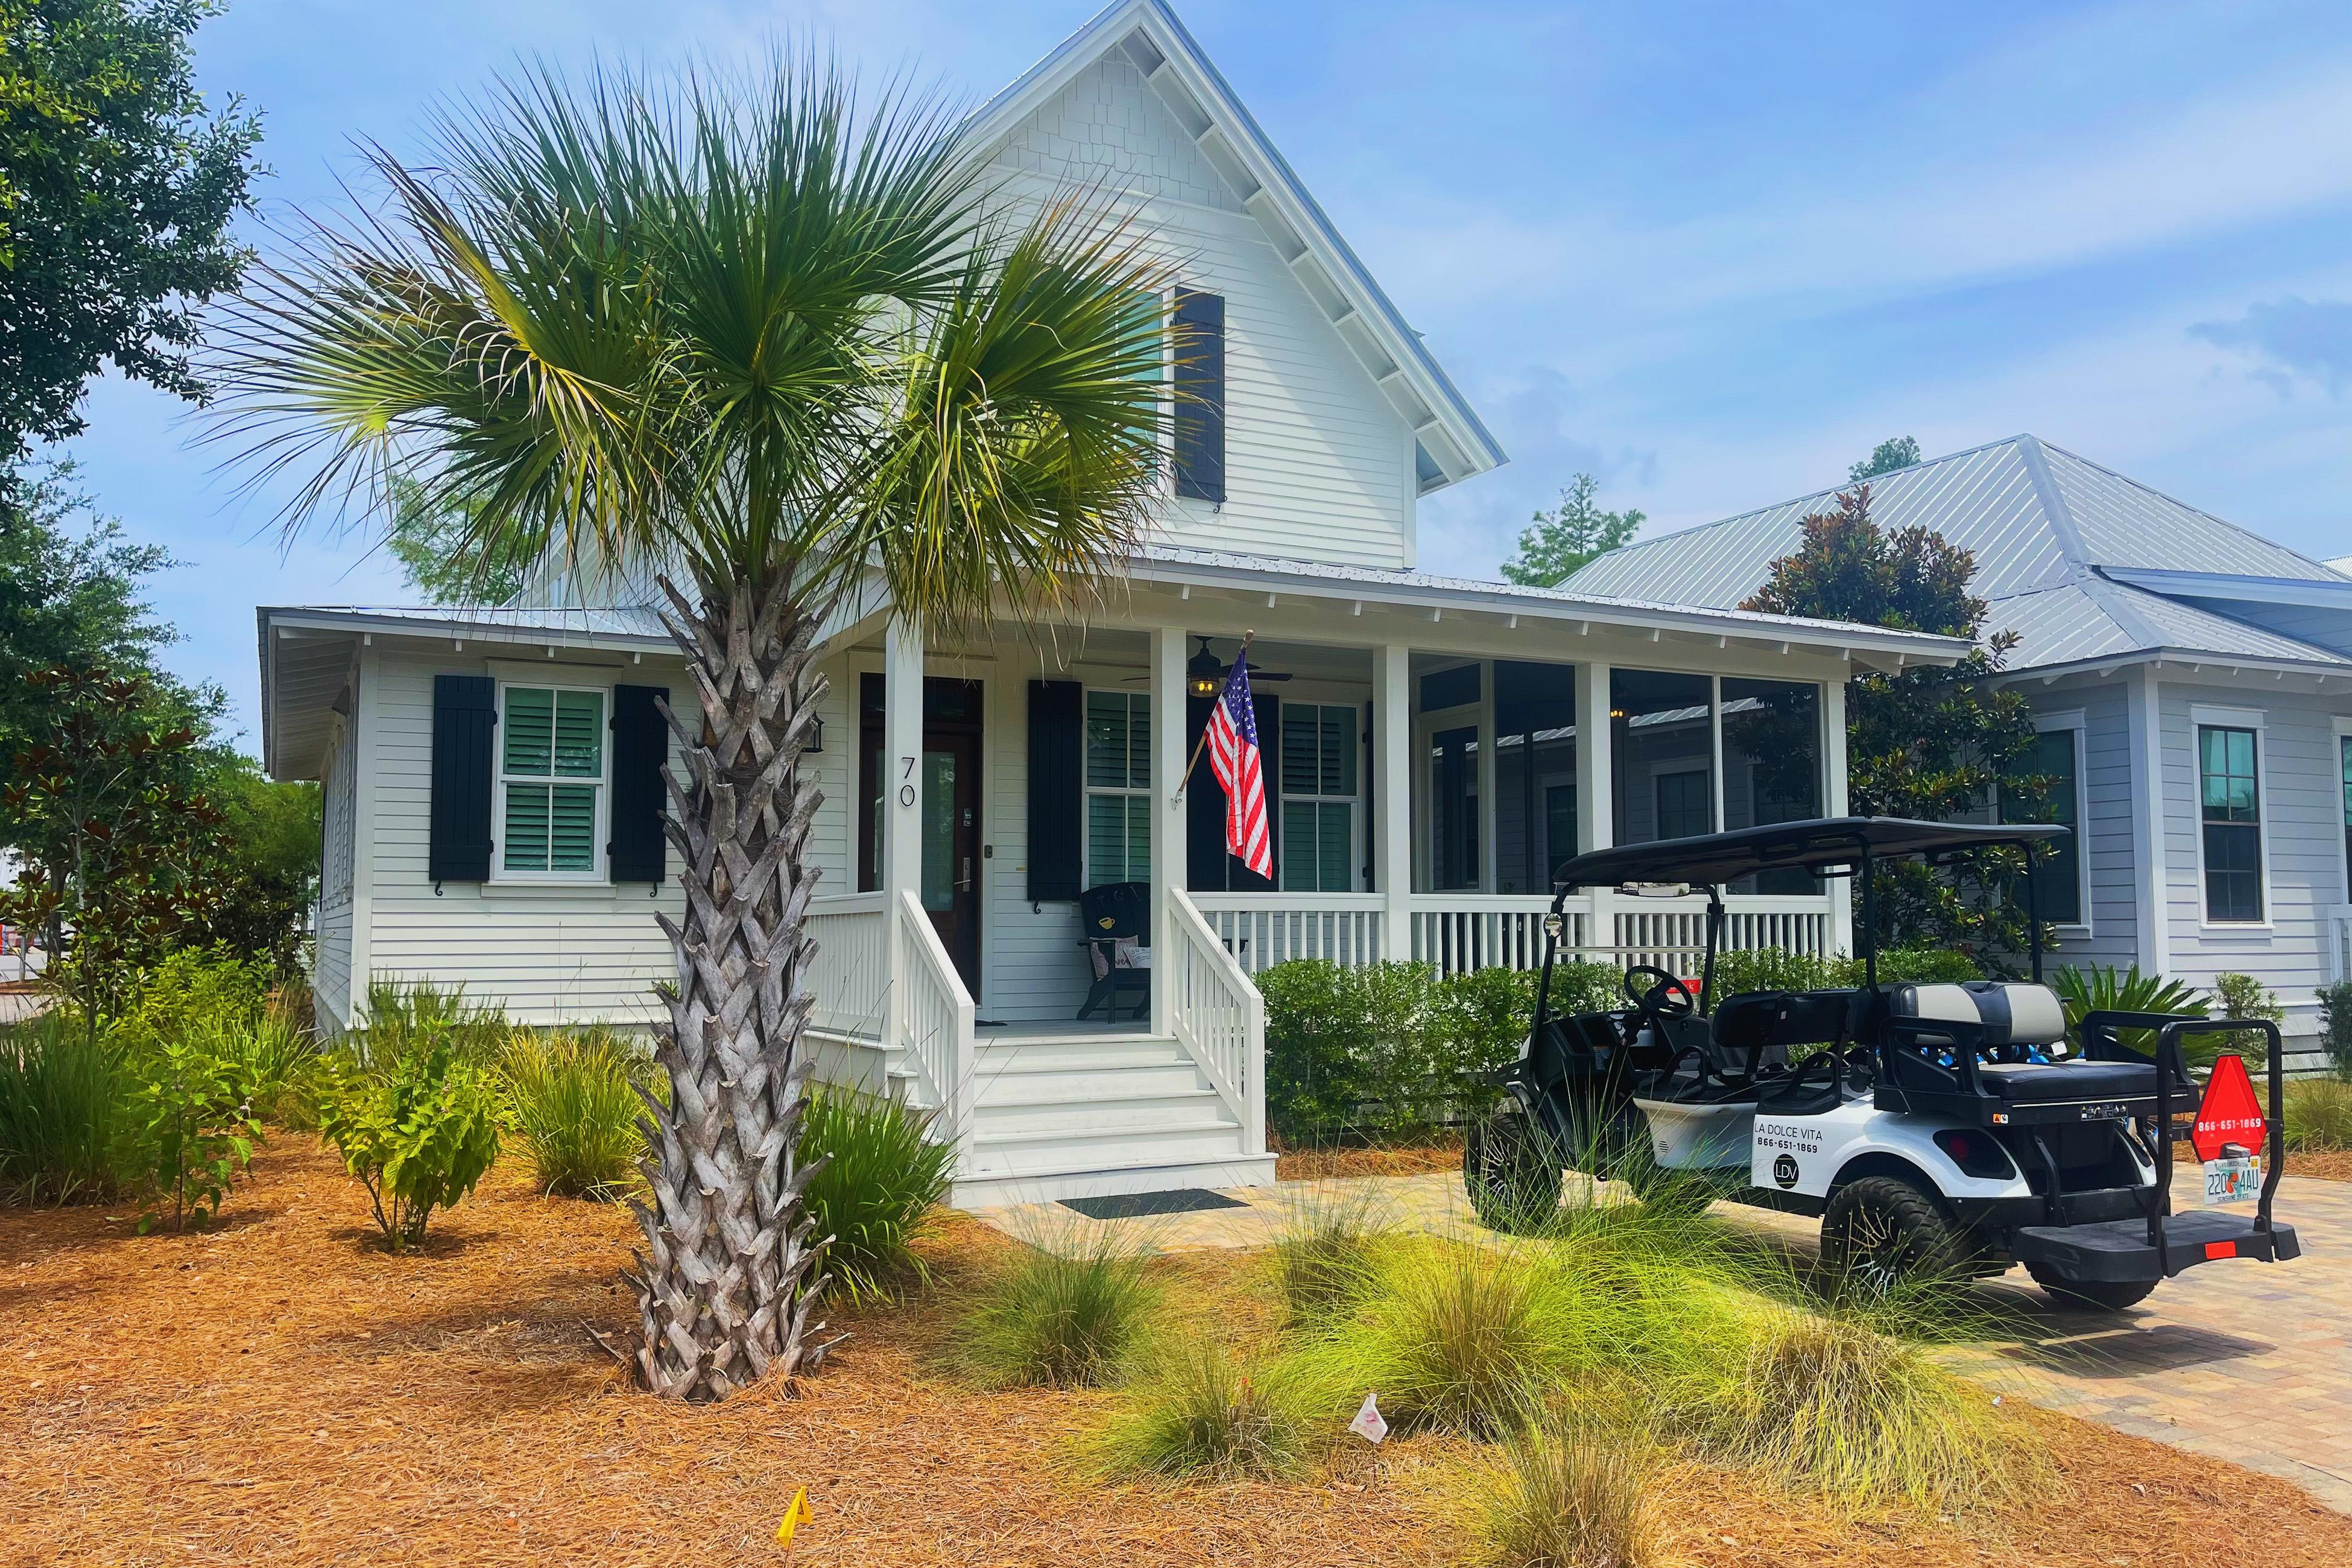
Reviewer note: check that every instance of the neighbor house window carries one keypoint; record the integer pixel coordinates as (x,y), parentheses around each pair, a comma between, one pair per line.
(552,781)
(1318,797)
(2057,867)
(2230,806)
(1663,747)
(1119,787)
(1684,803)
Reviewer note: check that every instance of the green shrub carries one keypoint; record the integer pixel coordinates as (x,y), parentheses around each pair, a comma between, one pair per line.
(1070,1311)
(2336,1026)
(2318,1115)
(1411,1065)
(1200,1414)
(1828,1403)
(1316,1034)
(1581,985)
(194,992)
(1324,1256)
(1917,966)
(419,1136)
(191,1129)
(1568,1494)
(884,1176)
(2106,989)
(64,1112)
(401,1019)
(1486,1013)
(1772,969)
(2237,996)
(572,1102)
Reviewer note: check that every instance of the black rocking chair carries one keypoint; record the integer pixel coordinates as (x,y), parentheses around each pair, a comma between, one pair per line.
(1118,920)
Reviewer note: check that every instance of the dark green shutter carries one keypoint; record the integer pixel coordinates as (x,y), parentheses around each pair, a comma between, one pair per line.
(464,723)
(637,850)
(1209,867)
(1056,787)
(1199,413)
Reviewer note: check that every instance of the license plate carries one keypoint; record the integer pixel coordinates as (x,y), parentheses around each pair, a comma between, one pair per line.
(2232,1181)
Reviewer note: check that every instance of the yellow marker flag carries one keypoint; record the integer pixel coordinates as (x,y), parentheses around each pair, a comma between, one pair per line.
(795,1517)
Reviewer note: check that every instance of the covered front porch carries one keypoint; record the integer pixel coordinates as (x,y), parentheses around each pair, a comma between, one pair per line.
(1432,751)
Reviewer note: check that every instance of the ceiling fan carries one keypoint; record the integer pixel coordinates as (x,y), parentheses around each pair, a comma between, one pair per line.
(1204,672)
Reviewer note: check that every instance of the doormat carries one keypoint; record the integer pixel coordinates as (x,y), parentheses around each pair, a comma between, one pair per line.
(1140,1206)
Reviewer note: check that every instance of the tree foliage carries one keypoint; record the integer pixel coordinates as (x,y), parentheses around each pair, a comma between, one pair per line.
(1931,743)
(118,184)
(440,548)
(1900,452)
(1555,542)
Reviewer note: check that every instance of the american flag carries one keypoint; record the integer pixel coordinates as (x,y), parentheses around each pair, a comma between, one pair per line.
(1234,757)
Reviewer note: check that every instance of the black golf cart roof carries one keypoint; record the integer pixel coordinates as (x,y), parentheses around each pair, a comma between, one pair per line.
(1817,844)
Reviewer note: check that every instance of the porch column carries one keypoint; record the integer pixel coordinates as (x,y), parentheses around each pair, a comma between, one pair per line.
(1169,845)
(902,802)
(1392,796)
(1596,810)
(1833,804)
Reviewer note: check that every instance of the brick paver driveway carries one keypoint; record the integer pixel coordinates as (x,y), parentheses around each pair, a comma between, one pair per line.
(2247,1362)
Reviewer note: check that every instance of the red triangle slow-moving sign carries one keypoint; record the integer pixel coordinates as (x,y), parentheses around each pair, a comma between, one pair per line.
(2230,1113)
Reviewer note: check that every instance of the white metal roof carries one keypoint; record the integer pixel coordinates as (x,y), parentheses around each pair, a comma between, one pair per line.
(2046,527)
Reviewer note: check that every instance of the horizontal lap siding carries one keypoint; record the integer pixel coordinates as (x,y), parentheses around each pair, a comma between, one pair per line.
(546,955)
(1319,462)
(2303,801)
(1034,968)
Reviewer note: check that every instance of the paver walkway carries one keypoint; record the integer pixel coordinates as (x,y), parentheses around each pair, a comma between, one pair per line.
(2246,1362)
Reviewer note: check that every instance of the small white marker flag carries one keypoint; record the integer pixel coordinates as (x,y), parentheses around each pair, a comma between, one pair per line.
(1368,1424)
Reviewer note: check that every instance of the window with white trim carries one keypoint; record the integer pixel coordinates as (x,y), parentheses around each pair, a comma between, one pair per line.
(552,781)
(1119,787)
(2057,866)
(1319,774)
(2229,802)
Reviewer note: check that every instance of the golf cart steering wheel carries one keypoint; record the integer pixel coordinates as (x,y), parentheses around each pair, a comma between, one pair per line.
(1668,997)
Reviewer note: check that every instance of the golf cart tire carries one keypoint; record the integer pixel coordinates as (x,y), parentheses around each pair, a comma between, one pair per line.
(1912,1223)
(2089,1295)
(1511,1171)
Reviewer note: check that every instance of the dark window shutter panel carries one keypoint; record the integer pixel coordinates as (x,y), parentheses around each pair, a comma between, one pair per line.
(464,723)
(1056,787)
(639,850)
(1208,866)
(1199,413)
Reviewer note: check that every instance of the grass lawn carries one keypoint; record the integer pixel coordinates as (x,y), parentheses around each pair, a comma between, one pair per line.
(281,1392)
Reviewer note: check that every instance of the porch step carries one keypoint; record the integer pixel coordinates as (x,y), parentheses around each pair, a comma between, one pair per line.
(1146,1108)
(1041,1186)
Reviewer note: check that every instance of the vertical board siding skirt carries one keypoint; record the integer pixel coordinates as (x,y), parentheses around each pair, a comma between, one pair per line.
(902,809)
(2153,940)
(465,742)
(1596,789)
(1199,417)
(1392,796)
(726,1281)
(1169,827)
(1835,804)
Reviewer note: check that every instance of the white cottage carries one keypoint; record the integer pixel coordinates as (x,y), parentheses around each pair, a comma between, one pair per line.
(1434,746)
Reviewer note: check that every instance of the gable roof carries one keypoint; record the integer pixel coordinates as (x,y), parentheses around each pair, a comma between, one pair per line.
(1452,443)
(2073,557)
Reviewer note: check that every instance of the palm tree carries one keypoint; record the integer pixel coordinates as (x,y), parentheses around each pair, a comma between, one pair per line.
(767,342)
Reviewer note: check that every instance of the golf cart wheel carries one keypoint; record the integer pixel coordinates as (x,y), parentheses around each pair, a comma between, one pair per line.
(1880,1232)
(2089,1295)
(1511,1171)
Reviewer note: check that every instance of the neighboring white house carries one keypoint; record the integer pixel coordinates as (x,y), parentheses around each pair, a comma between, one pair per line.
(2192,682)
(1434,747)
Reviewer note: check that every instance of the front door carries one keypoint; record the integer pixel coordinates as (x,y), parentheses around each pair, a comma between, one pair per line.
(951,832)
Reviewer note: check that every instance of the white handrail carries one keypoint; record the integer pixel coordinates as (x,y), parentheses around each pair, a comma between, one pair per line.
(935,1022)
(1217,1014)
(850,977)
(1261,930)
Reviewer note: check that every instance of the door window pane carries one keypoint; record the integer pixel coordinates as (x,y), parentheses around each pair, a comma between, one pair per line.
(2230,800)
(939,830)
(1662,729)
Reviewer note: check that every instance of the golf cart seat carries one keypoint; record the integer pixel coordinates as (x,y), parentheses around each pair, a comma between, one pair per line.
(1756,1029)
(1987,1043)
(1998,1013)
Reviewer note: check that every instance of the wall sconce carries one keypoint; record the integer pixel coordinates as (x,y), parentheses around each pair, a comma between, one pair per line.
(816,736)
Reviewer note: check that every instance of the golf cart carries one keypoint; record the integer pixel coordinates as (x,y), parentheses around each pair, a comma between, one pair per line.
(1950,1128)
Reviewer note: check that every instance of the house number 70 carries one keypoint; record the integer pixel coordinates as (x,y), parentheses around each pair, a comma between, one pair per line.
(906,791)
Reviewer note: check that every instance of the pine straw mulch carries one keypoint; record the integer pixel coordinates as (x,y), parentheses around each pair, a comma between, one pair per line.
(282,1392)
(1336,1162)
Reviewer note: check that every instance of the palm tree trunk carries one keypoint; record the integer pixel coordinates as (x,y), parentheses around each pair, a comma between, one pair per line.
(724,1286)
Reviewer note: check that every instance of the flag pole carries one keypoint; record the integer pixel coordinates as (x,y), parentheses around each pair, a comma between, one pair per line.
(1185,781)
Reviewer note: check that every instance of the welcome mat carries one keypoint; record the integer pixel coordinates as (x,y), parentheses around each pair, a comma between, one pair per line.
(1140,1206)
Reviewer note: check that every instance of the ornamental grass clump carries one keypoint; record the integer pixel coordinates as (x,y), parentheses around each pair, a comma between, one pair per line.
(1073,1310)
(571,1099)
(1567,1494)
(1202,1415)
(64,1114)
(1825,1403)
(2318,1115)
(883,1177)
(1324,1258)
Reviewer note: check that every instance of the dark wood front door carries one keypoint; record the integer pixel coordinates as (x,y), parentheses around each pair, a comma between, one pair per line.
(951,833)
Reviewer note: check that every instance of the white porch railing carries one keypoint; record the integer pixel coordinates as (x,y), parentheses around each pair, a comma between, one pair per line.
(1216,1013)
(1461,931)
(851,976)
(1261,930)
(1673,935)
(935,1018)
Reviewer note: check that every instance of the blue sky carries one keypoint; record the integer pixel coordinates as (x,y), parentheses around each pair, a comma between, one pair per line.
(1711,253)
